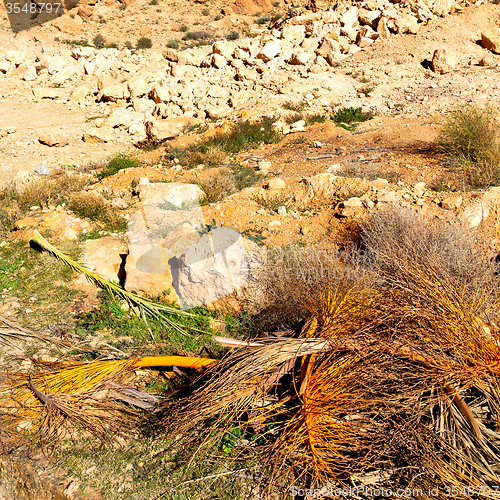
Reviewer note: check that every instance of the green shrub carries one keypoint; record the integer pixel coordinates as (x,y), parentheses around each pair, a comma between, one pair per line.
(233,35)
(192,35)
(173,43)
(118,162)
(351,115)
(263,19)
(144,43)
(128,45)
(99,42)
(470,136)
(184,28)
(153,2)
(96,208)
(205,12)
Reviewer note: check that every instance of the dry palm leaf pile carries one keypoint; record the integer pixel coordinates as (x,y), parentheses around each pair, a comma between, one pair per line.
(393,381)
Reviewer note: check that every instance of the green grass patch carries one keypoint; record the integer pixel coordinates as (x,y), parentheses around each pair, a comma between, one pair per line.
(96,208)
(347,117)
(113,321)
(118,162)
(242,136)
(38,282)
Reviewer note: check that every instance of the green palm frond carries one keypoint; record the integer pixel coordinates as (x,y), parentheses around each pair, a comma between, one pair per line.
(144,308)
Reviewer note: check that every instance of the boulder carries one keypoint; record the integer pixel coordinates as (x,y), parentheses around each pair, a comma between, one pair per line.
(300,57)
(443,61)
(276,183)
(68,25)
(105,257)
(474,214)
(294,33)
(223,49)
(211,268)
(113,92)
(490,40)
(269,51)
(161,130)
(369,17)
(349,19)
(46,92)
(53,140)
(85,11)
(175,193)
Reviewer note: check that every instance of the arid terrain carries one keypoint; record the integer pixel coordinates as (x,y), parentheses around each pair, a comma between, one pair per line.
(290,124)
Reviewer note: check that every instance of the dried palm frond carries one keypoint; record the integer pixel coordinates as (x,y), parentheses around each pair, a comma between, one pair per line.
(144,308)
(56,403)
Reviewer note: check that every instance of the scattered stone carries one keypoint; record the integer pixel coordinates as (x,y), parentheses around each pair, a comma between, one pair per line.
(353,202)
(53,140)
(474,214)
(276,183)
(486,61)
(443,61)
(269,51)
(452,202)
(490,40)
(175,193)
(160,130)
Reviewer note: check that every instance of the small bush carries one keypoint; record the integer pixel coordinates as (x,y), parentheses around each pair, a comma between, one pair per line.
(153,2)
(298,107)
(96,208)
(99,42)
(205,12)
(351,115)
(144,43)
(128,45)
(315,118)
(173,44)
(273,202)
(470,136)
(217,188)
(233,36)
(192,35)
(263,19)
(184,28)
(118,162)
(276,4)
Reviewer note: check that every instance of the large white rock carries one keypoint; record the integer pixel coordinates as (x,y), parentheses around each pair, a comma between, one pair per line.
(161,130)
(350,18)
(294,34)
(223,49)
(174,193)
(211,268)
(269,51)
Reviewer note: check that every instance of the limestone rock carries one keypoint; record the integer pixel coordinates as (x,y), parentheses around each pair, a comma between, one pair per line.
(269,51)
(443,61)
(105,256)
(53,140)
(452,202)
(46,93)
(223,49)
(474,214)
(276,183)
(175,193)
(211,268)
(490,40)
(161,130)
(294,33)
(97,135)
(113,92)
